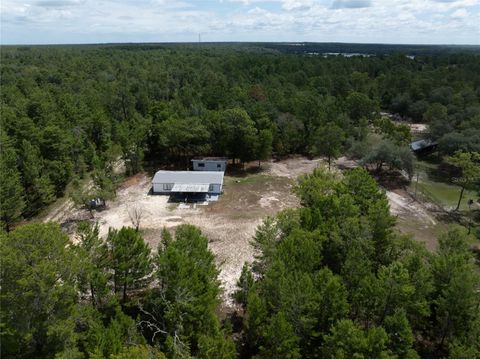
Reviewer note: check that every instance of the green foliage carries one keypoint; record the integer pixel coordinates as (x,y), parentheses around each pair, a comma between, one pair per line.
(280,340)
(328,141)
(94,256)
(244,284)
(180,313)
(394,156)
(469,165)
(119,337)
(398,133)
(129,260)
(39,291)
(400,335)
(38,188)
(329,279)
(347,340)
(359,105)
(166,103)
(139,352)
(456,298)
(240,134)
(264,149)
(335,281)
(11,194)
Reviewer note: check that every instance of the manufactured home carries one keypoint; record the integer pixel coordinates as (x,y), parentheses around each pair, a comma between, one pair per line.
(210,164)
(188,182)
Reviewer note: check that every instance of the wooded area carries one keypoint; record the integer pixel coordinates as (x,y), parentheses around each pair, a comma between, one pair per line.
(74,111)
(331,279)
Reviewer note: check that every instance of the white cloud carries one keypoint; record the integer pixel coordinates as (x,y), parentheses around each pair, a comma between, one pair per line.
(405,21)
(460,13)
(297,4)
(350,4)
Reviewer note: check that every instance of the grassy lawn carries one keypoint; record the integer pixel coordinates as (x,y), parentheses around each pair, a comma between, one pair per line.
(247,178)
(445,194)
(440,192)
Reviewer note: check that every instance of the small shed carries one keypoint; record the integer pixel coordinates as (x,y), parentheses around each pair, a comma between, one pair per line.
(210,164)
(423,146)
(206,182)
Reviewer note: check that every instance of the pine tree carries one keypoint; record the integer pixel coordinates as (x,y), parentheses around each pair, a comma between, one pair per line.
(94,255)
(130,260)
(39,292)
(12,201)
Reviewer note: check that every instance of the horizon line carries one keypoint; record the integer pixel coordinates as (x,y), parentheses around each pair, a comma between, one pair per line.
(238,42)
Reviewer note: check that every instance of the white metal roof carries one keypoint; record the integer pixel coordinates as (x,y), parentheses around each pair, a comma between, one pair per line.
(189,177)
(421,144)
(187,187)
(210,159)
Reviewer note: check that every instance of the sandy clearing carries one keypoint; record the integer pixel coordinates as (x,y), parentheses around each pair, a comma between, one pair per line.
(417,127)
(61,213)
(401,205)
(293,167)
(231,222)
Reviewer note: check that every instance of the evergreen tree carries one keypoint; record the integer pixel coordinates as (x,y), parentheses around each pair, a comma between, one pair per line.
(264,146)
(280,340)
(469,165)
(347,340)
(94,256)
(181,312)
(328,141)
(39,291)
(244,284)
(456,298)
(130,260)
(12,200)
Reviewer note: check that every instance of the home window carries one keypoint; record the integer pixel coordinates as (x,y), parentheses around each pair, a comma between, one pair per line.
(167,186)
(219,165)
(201,164)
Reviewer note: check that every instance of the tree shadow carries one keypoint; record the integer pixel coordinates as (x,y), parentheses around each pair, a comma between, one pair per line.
(244,170)
(437,170)
(390,180)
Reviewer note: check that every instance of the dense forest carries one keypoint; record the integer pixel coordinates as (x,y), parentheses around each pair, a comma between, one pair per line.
(330,279)
(74,111)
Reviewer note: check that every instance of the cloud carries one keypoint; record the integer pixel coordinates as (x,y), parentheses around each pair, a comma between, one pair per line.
(393,21)
(350,4)
(297,4)
(460,13)
(58,3)
(125,17)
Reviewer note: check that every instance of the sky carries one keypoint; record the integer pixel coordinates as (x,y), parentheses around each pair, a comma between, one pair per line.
(361,21)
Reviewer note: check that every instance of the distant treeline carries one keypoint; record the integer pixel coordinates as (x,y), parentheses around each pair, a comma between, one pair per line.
(376,49)
(70,112)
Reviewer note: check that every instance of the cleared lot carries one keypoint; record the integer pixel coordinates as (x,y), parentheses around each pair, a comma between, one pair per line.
(229,223)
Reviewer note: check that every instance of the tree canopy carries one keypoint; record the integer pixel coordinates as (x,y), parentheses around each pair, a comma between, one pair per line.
(76,112)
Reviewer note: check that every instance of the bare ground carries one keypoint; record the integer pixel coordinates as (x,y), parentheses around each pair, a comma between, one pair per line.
(414,218)
(229,223)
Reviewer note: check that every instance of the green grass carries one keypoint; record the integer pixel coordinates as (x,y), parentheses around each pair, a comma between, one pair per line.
(253,178)
(442,193)
(446,194)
